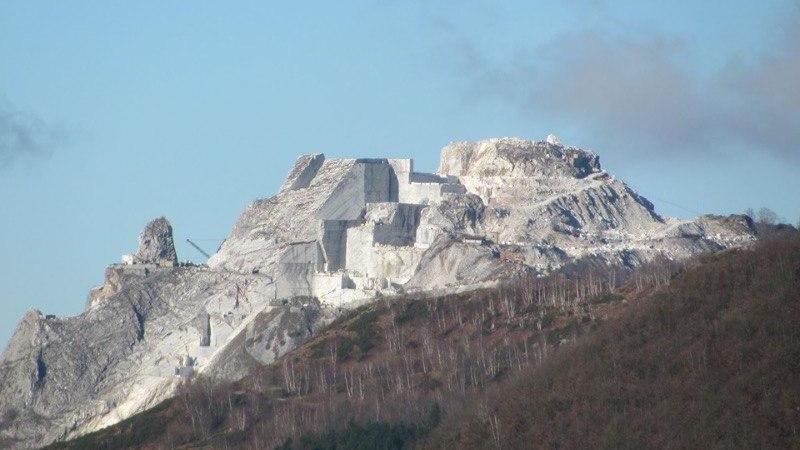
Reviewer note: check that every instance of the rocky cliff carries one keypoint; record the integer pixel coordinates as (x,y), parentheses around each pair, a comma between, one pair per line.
(338,233)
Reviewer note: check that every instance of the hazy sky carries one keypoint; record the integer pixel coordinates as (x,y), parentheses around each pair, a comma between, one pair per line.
(112,113)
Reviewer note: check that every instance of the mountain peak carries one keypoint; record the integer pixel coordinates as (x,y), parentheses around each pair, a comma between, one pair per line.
(340,233)
(514,157)
(156,245)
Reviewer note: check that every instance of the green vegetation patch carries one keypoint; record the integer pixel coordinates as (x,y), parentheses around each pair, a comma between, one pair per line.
(366,330)
(568,331)
(411,310)
(373,435)
(606,297)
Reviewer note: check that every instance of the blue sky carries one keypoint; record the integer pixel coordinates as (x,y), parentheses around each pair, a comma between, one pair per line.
(112,113)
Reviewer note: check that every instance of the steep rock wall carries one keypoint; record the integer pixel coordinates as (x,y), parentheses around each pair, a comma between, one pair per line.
(338,234)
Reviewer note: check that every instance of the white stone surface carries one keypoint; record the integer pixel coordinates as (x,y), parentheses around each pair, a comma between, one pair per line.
(378,219)
(339,234)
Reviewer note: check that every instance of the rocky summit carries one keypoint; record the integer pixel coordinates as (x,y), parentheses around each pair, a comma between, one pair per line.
(338,234)
(156,245)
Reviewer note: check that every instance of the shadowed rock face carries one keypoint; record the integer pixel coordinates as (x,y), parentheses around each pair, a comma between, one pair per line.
(338,234)
(156,245)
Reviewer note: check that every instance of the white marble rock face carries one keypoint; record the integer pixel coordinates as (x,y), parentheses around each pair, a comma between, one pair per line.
(338,234)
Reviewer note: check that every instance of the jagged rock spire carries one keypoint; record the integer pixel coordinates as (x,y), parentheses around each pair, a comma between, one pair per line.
(156,245)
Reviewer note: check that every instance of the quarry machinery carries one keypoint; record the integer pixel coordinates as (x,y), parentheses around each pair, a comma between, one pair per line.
(197,247)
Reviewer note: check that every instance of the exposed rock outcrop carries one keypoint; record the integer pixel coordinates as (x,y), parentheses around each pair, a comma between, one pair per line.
(156,245)
(304,170)
(516,158)
(338,233)
(369,226)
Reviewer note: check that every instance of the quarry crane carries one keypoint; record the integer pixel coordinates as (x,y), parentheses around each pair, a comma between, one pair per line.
(197,247)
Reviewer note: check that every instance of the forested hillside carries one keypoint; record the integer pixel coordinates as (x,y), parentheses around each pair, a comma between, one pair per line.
(705,353)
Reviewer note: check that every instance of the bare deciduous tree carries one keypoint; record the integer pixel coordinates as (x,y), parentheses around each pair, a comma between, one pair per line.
(767,216)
